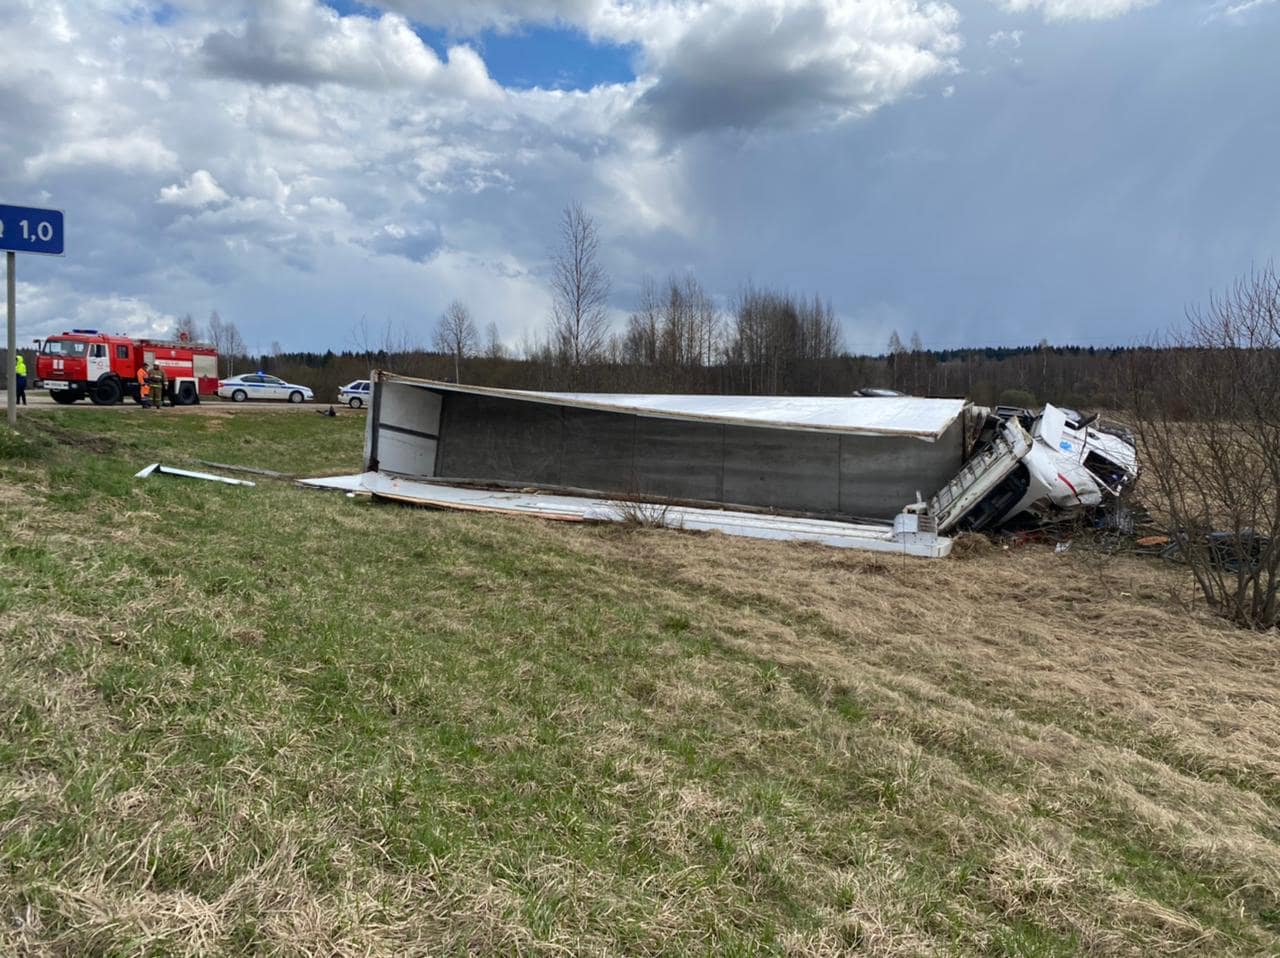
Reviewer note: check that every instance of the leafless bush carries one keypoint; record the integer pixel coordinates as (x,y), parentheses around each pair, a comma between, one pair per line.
(639,514)
(1207,412)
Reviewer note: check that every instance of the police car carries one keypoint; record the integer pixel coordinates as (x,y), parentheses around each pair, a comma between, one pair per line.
(355,394)
(261,386)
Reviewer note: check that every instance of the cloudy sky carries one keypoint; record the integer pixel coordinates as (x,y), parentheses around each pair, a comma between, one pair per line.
(979,171)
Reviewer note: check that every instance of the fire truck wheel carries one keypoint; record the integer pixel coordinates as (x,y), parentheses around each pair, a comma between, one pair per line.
(107,392)
(295,397)
(239,396)
(187,395)
(63,397)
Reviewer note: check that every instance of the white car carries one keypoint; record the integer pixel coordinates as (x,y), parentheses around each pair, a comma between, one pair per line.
(261,386)
(355,394)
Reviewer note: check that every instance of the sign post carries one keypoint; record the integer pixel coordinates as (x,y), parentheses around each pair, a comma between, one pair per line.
(24,229)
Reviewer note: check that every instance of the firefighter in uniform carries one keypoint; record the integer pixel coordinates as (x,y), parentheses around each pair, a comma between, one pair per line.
(144,390)
(157,385)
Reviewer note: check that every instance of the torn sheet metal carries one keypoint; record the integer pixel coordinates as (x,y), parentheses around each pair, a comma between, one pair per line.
(156,468)
(908,535)
(344,483)
(251,470)
(919,418)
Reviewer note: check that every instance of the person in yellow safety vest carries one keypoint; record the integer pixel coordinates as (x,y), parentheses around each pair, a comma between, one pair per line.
(20,379)
(144,390)
(157,385)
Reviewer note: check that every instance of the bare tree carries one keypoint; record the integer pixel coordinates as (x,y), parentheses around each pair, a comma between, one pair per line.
(389,347)
(235,346)
(218,337)
(456,335)
(1206,406)
(776,341)
(494,348)
(188,327)
(580,291)
(640,340)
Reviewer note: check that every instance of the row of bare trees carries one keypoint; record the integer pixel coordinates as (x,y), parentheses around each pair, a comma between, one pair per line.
(222,334)
(675,332)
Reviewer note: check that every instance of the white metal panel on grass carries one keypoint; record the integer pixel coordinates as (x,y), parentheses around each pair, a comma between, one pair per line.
(156,469)
(843,535)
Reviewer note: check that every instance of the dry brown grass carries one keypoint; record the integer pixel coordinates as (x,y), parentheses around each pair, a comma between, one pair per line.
(1101,706)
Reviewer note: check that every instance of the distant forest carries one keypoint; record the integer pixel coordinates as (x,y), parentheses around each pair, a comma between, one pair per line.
(1022,375)
(768,343)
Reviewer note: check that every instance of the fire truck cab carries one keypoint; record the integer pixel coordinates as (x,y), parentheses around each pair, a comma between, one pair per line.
(84,362)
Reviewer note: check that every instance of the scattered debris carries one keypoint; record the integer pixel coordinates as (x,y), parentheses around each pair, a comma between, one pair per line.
(1226,550)
(156,469)
(269,473)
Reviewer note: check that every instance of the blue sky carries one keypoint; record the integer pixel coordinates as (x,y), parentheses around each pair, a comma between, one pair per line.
(549,55)
(979,171)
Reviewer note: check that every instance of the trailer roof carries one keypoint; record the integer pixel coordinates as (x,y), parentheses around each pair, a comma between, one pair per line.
(912,416)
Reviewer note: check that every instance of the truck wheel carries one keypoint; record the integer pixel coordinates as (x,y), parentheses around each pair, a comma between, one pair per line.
(107,392)
(355,402)
(239,396)
(295,397)
(63,397)
(187,395)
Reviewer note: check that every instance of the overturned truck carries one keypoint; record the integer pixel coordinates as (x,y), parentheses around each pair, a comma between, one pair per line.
(884,473)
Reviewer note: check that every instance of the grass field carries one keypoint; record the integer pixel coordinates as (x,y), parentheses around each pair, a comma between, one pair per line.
(275,721)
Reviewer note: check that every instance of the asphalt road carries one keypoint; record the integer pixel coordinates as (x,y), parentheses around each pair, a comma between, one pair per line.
(38,399)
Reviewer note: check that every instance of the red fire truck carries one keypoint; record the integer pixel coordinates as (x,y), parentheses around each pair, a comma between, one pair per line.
(85,362)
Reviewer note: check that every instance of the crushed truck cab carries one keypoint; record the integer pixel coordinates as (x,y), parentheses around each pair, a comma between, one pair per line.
(1041,467)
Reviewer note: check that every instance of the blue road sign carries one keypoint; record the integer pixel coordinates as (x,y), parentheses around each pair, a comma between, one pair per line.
(26,230)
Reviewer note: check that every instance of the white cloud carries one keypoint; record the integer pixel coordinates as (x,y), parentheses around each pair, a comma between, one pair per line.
(794,62)
(1077,9)
(709,64)
(1237,8)
(55,308)
(304,42)
(130,153)
(1005,39)
(201,189)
